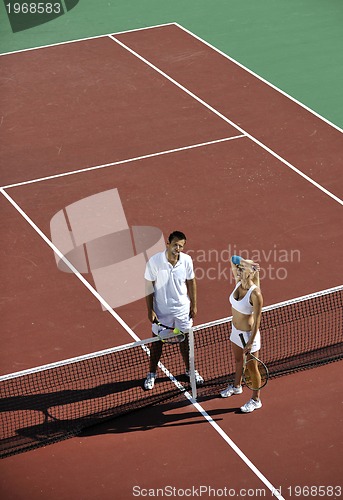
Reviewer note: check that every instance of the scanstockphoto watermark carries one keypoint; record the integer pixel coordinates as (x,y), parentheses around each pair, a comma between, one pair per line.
(198,491)
(207,491)
(214,264)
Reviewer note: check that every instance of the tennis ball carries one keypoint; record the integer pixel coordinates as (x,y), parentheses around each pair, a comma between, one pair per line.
(176,330)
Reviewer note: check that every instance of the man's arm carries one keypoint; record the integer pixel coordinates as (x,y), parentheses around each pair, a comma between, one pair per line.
(149,298)
(192,293)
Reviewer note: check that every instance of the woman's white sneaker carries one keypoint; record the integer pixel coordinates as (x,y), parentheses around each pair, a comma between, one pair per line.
(251,406)
(230,390)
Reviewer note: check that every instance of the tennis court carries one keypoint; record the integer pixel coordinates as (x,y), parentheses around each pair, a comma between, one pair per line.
(186,138)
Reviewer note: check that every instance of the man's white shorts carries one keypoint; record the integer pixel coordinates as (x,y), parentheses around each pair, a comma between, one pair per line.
(182,322)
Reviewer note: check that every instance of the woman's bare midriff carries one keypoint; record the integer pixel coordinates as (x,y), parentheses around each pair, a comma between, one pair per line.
(243,322)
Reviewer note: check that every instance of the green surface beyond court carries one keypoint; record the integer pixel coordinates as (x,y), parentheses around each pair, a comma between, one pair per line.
(296,45)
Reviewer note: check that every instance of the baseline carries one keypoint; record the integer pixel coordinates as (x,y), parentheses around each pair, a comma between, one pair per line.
(82,39)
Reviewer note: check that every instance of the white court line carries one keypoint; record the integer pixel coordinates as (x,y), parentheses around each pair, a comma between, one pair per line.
(235,448)
(198,38)
(233,124)
(136,338)
(260,78)
(121,162)
(84,39)
(197,406)
(70,266)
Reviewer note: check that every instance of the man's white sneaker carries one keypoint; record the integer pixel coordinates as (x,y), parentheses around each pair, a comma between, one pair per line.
(198,377)
(251,406)
(150,381)
(230,390)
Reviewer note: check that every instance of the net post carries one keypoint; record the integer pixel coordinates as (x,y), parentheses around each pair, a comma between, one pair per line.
(192,363)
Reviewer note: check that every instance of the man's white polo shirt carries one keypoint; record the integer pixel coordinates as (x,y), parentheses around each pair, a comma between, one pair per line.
(170,289)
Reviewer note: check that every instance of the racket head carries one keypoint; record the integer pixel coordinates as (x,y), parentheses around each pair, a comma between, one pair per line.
(255,374)
(170,335)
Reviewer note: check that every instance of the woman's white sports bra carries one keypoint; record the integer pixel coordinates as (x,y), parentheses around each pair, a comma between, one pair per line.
(243,306)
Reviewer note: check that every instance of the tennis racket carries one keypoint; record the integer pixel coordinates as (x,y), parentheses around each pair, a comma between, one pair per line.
(255,372)
(169,334)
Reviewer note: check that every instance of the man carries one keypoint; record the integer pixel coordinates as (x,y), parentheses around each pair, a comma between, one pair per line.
(171,298)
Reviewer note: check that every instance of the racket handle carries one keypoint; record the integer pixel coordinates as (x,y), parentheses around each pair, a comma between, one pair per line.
(241,336)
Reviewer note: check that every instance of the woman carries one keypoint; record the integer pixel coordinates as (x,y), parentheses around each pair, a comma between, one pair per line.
(246,300)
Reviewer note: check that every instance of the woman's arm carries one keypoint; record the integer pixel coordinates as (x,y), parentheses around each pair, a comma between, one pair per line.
(236,261)
(257,302)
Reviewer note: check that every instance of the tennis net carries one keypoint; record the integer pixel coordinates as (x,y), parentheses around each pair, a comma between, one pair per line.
(53,402)
(57,401)
(296,335)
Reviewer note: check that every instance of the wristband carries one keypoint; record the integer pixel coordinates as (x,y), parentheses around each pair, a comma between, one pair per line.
(236,259)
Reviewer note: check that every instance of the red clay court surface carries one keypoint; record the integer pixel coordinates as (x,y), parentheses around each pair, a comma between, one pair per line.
(193,141)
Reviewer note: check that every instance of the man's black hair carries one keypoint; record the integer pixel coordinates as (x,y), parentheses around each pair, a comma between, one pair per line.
(176,235)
